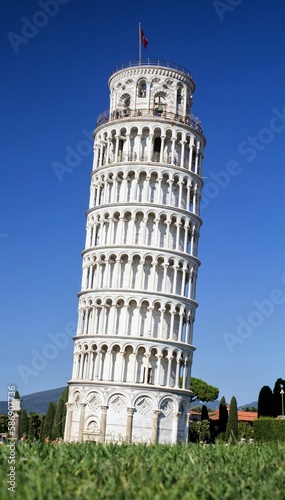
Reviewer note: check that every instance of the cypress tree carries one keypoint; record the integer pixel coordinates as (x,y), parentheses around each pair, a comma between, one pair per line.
(265,402)
(57,424)
(65,399)
(24,423)
(42,427)
(204,413)
(17,395)
(232,425)
(223,415)
(277,399)
(32,426)
(48,425)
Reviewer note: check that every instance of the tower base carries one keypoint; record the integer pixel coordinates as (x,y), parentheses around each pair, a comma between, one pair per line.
(126,414)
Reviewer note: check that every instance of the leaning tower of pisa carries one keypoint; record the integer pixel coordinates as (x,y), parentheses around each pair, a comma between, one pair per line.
(133,347)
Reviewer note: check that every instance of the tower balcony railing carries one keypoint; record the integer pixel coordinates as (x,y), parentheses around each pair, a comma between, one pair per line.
(152,62)
(155,158)
(190,120)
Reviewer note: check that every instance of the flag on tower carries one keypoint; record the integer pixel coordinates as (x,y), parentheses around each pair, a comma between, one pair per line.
(144,40)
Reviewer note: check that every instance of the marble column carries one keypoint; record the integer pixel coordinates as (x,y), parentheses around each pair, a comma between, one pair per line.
(103,423)
(130,414)
(154,426)
(81,421)
(175,427)
(68,421)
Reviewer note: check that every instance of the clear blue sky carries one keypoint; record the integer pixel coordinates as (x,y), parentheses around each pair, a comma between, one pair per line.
(55,69)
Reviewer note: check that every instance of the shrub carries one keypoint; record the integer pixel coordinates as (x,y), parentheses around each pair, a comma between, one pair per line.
(245,431)
(269,429)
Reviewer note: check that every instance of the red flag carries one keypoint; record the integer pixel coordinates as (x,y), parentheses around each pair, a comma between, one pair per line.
(144,40)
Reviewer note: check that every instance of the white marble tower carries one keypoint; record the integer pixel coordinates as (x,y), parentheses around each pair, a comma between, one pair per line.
(133,347)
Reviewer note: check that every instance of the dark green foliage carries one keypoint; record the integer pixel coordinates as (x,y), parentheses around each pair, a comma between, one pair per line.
(57,423)
(31,430)
(64,397)
(24,423)
(17,395)
(204,413)
(203,391)
(232,425)
(277,400)
(197,408)
(245,431)
(194,428)
(3,423)
(60,416)
(48,425)
(223,415)
(42,428)
(269,429)
(265,402)
(199,431)
(34,426)
(250,409)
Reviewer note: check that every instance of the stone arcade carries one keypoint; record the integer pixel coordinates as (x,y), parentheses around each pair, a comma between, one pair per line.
(133,348)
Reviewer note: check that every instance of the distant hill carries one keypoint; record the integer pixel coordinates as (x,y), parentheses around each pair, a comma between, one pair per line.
(37,402)
(254,404)
(214,405)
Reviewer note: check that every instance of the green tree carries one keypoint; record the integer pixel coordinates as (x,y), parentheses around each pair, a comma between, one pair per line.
(64,397)
(24,423)
(34,426)
(17,395)
(203,391)
(48,425)
(4,423)
(277,397)
(204,413)
(265,402)
(197,408)
(223,415)
(232,425)
(57,423)
(250,408)
(42,428)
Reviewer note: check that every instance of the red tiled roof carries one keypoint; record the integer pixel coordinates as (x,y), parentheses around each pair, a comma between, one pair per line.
(243,416)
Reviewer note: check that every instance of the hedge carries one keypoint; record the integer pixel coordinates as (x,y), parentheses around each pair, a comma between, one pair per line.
(269,429)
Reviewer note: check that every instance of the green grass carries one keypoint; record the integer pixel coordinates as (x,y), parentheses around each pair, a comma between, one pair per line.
(89,471)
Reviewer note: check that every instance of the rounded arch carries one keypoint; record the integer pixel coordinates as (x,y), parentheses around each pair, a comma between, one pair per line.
(142,87)
(167,405)
(94,399)
(144,403)
(118,400)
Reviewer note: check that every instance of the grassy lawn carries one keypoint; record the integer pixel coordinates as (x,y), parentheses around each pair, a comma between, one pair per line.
(89,471)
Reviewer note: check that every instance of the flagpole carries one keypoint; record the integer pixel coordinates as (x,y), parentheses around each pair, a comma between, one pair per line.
(140,44)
